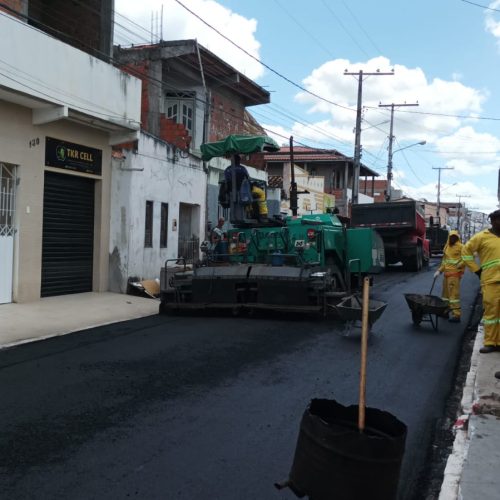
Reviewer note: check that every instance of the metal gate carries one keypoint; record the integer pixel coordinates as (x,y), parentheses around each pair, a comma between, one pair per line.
(68,234)
(189,243)
(189,249)
(7,229)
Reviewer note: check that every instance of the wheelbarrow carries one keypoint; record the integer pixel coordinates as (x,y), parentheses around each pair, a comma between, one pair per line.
(427,308)
(350,310)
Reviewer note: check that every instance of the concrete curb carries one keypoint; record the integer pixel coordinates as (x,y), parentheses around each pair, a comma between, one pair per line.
(75,330)
(56,316)
(450,488)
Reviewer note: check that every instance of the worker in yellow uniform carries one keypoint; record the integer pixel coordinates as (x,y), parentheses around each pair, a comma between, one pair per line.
(486,244)
(259,202)
(452,266)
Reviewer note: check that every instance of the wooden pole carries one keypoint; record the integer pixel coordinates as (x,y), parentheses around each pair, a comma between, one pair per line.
(364,349)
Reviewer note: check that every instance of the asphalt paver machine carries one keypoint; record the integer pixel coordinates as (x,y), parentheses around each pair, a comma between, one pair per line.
(304,264)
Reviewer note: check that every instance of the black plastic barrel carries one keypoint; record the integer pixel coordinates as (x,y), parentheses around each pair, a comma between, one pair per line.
(335,461)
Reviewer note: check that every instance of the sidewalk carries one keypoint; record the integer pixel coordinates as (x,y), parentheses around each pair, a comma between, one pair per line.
(472,468)
(52,316)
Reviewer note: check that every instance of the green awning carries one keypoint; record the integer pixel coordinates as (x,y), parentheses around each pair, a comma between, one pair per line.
(238,144)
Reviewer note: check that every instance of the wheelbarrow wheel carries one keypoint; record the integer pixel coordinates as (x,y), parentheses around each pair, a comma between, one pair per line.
(417,317)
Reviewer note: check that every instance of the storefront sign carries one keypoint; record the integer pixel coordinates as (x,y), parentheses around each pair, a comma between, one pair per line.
(72,156)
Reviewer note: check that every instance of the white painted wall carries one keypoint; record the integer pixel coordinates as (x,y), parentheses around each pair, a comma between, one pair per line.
(218,165)
(362,198)
(156,177)
(33,63)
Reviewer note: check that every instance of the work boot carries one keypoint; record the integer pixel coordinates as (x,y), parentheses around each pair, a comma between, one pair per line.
(497,375)
(454,319)
(487,348)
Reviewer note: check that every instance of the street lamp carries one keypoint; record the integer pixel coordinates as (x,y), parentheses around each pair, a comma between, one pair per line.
(448,187)
(421,143)
(389,166)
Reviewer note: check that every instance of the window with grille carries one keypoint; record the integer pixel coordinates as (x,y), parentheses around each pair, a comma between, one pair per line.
(148,226)
(164,226)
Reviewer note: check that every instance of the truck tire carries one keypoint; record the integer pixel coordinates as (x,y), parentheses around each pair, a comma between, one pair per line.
(414,262)
(420,258)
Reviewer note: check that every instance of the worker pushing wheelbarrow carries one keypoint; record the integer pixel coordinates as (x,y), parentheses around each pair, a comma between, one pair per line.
(430,307)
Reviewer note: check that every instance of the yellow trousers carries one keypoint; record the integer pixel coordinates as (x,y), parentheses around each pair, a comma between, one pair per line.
(451,294)
(491,313)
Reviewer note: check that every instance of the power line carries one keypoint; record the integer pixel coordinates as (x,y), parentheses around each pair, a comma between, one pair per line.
(447,115)
(410,167)
(391,139)
(160,83)
(277,73)
(482,6)
(344,28)
(302,27)
(361,27)
(146,77)
(357,141)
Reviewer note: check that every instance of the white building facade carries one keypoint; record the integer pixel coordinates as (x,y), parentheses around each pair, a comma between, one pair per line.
(61,110)
(157,210)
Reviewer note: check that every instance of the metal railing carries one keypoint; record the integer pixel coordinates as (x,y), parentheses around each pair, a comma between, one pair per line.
(7,199)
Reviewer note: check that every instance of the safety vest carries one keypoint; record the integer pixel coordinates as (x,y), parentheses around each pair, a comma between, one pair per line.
(487,247)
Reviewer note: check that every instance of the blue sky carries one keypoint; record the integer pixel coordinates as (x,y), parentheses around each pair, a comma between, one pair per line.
(445,55)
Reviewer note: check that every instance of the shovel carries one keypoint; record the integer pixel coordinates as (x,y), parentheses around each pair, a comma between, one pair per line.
(433,283)
(348,452)
(365,326)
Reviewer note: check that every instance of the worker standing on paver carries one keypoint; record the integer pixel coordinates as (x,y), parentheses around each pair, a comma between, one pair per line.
(217,238)
(486,244)
(452,266)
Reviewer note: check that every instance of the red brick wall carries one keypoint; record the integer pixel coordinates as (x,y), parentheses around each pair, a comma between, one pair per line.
(380,187)
(169,131)
(174,133)
(255,160)
(16,5)
(227,117)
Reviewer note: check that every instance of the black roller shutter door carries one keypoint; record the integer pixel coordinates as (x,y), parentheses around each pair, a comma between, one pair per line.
(68,234)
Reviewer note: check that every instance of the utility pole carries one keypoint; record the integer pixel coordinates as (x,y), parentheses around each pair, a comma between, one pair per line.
(460,196)
(357,141)
(293,184)
(438,205)
(391,139)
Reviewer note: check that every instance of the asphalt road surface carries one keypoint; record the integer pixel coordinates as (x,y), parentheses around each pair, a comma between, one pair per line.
(209,408)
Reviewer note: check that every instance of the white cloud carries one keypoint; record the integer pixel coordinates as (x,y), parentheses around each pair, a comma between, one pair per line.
(319,136)
(439,97)
(278,133)
(179,24)
(470,152)
(478,197)
(491,24)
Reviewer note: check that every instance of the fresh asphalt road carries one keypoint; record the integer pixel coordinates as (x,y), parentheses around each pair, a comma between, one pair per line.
(209,408)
